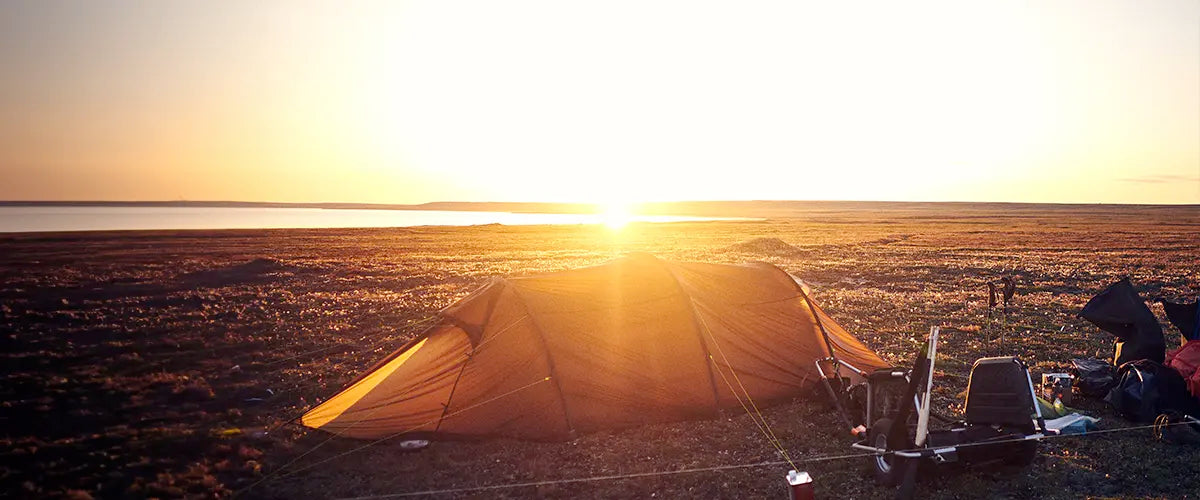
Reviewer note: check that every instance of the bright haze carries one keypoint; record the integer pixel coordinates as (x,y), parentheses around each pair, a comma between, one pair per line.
(409,102)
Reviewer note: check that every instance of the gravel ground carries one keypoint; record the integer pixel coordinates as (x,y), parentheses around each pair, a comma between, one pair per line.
(161,364)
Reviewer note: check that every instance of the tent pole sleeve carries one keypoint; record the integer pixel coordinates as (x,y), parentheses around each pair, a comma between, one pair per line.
(811,308)
(820,325)
(475,332)
(837,402)
(697,325)
(708,360)
(487,317)
(562,400)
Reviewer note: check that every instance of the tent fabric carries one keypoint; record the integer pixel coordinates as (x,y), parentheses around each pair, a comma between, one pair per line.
(1119,310)
(633,341)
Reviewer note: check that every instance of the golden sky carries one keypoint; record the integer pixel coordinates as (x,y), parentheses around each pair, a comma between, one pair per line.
(408,102)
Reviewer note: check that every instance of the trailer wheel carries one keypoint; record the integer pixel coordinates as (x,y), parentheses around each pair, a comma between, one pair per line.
(885,467)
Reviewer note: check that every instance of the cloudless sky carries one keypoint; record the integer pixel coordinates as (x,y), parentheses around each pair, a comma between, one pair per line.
(558,100)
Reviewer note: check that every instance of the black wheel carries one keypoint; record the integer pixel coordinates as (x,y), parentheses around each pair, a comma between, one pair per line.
(886,468)
(1022,453)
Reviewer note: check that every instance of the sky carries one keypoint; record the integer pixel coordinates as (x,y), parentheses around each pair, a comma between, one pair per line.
(1093,101)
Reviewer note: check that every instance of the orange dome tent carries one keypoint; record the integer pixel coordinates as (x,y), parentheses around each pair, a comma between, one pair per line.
(633,341)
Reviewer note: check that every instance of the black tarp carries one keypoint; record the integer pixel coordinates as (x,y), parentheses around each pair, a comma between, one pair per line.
(1119,310)
(1185,317)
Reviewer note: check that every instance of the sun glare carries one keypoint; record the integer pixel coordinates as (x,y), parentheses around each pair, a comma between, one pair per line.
(616,215)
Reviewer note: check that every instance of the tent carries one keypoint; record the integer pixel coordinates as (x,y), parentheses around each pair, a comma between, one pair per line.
(633,341)
(1119,310)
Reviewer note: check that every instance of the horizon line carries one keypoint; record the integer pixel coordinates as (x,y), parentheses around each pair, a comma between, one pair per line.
(574,203)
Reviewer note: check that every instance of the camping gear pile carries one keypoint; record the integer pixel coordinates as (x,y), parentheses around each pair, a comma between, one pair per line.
(1143,381)
(1002,419)
(1057,386)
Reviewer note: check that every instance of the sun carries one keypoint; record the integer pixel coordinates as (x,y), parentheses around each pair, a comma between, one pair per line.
(616,215)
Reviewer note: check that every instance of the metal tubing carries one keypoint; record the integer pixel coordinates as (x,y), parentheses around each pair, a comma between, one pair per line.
(923,410)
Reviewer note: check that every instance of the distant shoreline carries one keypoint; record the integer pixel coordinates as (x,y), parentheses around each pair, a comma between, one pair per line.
(747,208)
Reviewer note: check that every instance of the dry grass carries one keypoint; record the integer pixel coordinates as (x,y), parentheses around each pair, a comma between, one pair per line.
(147,364)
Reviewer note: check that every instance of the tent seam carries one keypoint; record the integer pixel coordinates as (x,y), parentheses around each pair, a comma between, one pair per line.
(811,308)
(537,328)
(491,308)
(708,359)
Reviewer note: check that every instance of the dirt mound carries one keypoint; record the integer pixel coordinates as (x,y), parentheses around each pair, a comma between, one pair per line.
(898,238)
(766,246)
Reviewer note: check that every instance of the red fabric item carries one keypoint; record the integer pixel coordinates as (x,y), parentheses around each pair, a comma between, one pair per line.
(1186,361)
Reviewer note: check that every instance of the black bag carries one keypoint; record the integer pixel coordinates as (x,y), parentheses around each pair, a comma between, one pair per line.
(1093,377)
(1146,389)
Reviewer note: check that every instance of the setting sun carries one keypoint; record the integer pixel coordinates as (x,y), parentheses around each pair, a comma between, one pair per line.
(616,215)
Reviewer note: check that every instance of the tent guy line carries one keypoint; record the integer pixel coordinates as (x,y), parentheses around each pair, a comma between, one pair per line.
(635,475)
(428,322)
(358,345)
(165,357)
(567,481)
(283,467)
(362,349)
(755,415)
(654,312)
(406,431)
(304,382)
(616,358)
(412,323)
(542,307)
(278,472)
(764,428)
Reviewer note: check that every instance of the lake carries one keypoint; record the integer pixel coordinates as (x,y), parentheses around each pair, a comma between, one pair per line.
(18,219)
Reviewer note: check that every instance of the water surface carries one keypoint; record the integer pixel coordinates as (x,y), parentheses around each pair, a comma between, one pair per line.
(109,218)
